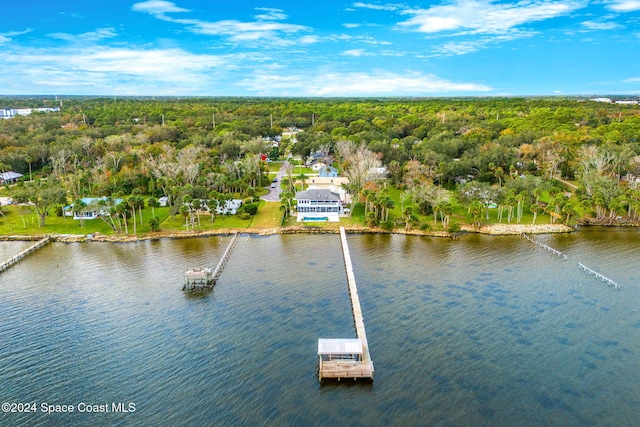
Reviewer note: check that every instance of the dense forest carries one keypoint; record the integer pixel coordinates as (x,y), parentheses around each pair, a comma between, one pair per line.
(480,151)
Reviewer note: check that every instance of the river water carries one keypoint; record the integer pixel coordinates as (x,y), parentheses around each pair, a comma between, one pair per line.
(476,331)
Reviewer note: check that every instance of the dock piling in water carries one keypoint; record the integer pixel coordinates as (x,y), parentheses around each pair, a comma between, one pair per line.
(598,276)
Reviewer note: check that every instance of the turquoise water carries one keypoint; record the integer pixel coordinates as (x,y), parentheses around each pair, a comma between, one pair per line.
(476,331)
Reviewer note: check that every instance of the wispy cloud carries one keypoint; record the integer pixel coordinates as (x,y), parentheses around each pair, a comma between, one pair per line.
(355,52)
(157,8)
(453,48)
(632,80)
(107,70)
(601,24)
(389,7)
(266,28)
(8,36)
(271,14)
(358,84)
(98,34)
(624,5)
(485,16)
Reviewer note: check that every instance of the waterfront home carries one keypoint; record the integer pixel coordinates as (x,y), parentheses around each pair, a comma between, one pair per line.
(9,177)
(335,184)
(92,209)
(318,205)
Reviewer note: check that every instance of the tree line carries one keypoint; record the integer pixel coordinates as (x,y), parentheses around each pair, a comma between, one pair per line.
(494,150)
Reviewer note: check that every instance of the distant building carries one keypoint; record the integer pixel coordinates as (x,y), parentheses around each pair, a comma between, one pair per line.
(7,113)
(9,177)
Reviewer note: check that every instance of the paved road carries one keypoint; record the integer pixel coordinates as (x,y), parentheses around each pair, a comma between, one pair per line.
(274,193)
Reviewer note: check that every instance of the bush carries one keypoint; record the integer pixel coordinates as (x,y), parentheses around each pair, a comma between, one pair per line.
(454,228)
(387,225)
(244,215)
(425,227)
(154,223)
(249,208)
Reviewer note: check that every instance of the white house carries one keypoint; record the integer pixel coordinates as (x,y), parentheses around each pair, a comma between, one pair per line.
(92,209)
(230,207)
(318,205)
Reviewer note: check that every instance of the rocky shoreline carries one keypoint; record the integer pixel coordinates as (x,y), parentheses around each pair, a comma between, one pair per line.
(493,229)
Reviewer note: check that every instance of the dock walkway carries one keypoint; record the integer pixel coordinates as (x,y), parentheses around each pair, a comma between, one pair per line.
(17,258)
(354,368)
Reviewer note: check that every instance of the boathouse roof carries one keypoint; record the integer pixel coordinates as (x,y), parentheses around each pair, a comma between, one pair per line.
(339,346)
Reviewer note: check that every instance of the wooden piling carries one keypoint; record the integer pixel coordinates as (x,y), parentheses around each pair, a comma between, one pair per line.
(598,276)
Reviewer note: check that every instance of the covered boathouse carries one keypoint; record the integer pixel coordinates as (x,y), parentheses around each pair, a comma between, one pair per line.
(342,358)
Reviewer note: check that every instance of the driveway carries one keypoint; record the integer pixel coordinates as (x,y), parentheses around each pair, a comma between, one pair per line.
(274,193)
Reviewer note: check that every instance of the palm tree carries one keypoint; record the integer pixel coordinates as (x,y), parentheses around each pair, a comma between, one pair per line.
(153,203)
(476,209)
(78,207)
(534,208)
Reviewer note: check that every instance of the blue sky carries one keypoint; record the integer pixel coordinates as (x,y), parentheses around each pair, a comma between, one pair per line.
(321,48)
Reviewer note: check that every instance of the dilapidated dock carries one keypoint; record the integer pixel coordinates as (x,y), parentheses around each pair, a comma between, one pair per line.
(347,358)
(202,279)
(17,258)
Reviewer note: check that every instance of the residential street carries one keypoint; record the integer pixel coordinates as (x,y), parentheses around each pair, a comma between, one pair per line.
(274,193)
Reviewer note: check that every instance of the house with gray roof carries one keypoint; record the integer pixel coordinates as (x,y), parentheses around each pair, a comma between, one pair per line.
(318,205)
(9,177)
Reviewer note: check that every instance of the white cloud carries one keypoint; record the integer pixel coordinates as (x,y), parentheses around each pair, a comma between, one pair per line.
(390,7)
(485,16)
(632,80)
(157,7)
(601,25)
(469,46)
(265,29)
(347,25)
(8,36)
(271,15)
(359,84)
(107,70)
(98,34)
(355,52)
(624,5)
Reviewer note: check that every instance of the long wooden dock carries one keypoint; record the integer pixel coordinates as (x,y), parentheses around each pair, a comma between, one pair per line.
(17,258)
(355,360)
(201,279)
